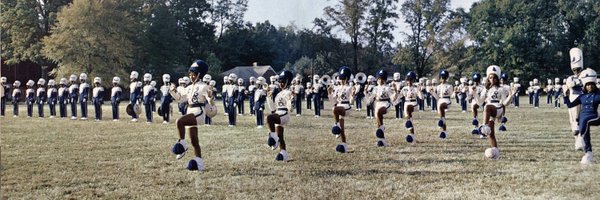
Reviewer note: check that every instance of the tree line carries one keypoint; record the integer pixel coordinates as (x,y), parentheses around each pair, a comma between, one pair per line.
(529,39)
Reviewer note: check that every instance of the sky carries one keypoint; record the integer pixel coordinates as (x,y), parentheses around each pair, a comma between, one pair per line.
(302,12)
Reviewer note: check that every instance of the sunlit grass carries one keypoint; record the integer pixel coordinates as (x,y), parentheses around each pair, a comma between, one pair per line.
(60,158)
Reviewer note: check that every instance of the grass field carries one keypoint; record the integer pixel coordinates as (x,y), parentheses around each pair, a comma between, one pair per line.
(64,159)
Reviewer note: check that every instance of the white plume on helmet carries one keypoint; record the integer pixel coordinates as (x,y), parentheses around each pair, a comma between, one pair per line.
(576,58)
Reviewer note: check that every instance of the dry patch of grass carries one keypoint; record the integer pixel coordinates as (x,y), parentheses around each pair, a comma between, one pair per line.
(61,159)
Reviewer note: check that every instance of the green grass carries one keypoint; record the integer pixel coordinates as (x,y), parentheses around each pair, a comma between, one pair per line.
(64,159)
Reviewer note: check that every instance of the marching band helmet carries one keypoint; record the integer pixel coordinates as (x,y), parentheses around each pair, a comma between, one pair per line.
(97,80)
(83,77)
(17,84)
(588,76)
(63,81)
(516,79)
(536,81)
(252,79)
(463,80)
(199,67)
(456,82)
(345,73)
(411,76)
(261,80)
(285,77)
(549,81)
(134,75)
(576,59)
(147,77)
(30,83)
(180,81)
(207,78)
(434,81)
(382,74)
(476,77)
(240,81)
(41,81)
(153,83)
(116,80)
(225,79)
(396,76)
(316,78)
(51,82)
(370,78)
(73,78)
(308,84)
(444,74)
(212,83)
(556,80)
(493,69)
(3,79)
(166,78)
(273,79)
(504,77)
(232,77)
(186,80)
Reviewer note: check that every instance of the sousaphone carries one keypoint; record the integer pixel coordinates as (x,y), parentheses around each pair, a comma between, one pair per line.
(361,77)
(325,80)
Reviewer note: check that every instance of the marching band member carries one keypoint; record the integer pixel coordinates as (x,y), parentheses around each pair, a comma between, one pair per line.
(73,95)
(196,93)
(456,91)
(506,87)
(232,93)
(15,98)
(274,87)
(207,79)
(212,84)
(149,94)
(537,91)
(166,98)
(442,94)
(433,100)
(30,98)
(241,92)
(462,92)
(260,96)
(589,101)
(398,86)
(316,93)
(84,90)
(115,97)
(428,97)
(153,97)
(308,93)
(4,90)
(517,87)
(496,98)
(299,91)
(98,98)
(135,90)
(369,89)
(529,92)
(280,115)
(549,88)
(557,93)
(63,98)
(383,96)
(41,97)
(475,90)
(341,96)
(182,105)
(359,90)
(421,100)
(250,94)
(573,91)
(52,93)
(226,85)
(410,92)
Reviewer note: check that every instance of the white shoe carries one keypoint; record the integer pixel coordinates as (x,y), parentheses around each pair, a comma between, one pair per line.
(51,117)
(185,147)
(579,142)
(96,120)
(73,118)
(15,116)
(84,118)
(231,125)
(297,115)
(317,116)
(587,158)
(199,164)
(165,122)
(115,120)
(134,120)
(148,122)
(259,127)
(276,138)
(282,156)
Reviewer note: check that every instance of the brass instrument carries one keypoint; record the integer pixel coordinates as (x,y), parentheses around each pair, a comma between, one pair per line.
(361,77)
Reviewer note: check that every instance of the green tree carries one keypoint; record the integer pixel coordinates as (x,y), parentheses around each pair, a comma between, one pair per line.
(193,19)
(24,23)
(92,37)
(228,14)
(349,16)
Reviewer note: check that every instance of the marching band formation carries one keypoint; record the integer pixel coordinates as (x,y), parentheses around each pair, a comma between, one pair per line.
(283,95)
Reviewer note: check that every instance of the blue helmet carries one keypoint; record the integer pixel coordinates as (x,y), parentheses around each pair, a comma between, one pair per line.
(444,74)
(382,74)
(199,67)
(476,77)
(503,76)
(286,77)
(345,73)
(411,76)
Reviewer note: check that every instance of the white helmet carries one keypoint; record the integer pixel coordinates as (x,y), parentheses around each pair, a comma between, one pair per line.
(82,76)
(273,79)
(396,76)
(63,81)
(470,82)
(434,81)
(557,80)
(549,81)
(316,77)
(308,84)
(516,79)
(51,82)
(186,80)
(225,79)
(535,81)
(427,82)
(166,78)
(30,83)
(116,80)
(212,83)
(530,82)
(576,58)
(370,78)
(73,77)
(456,82)
(97,80)
(232,77)
(134,75)
(180,81)
(153,83)
(3,79)
(493,69)
(147,77)
(207,78)
(17,84)
(240,81)
(41,81)
(261,80)
(252,79)
(463,80)
(588,76)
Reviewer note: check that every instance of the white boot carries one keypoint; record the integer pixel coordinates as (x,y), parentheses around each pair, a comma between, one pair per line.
(587,158)
(276,138)
(579,142)
(282,156)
